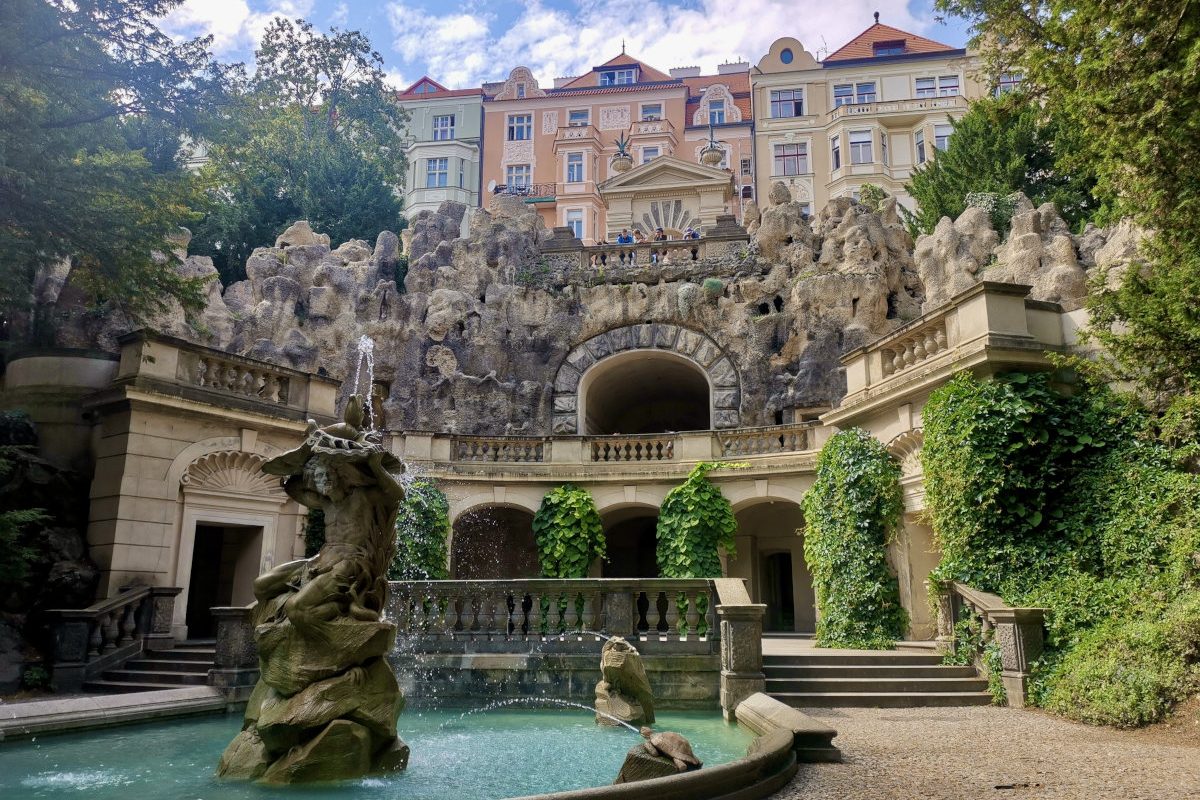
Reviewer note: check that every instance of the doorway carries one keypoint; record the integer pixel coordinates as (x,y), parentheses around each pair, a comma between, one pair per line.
(631,544)
(778,593)
(225,562)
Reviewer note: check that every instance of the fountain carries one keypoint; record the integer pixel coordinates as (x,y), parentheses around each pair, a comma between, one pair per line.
(326,704)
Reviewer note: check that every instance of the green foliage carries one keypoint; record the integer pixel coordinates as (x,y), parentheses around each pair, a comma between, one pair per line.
(712,288)
(422,528)
(314,532)
(851,514)
(35,678)
(871,197)
(568,532)
(1073,504)
(95,100)
(315,134)
(18,553)
(694,522)
(1124,78)
(401,272)
(535,275)
(1000,147)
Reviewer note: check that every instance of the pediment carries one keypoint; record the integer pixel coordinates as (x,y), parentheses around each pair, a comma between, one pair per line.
(666,170)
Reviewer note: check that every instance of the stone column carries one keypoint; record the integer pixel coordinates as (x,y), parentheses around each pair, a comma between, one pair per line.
(235,667)
(70,652)
(741,654)
(945,615)
(619,612)
(1019,634)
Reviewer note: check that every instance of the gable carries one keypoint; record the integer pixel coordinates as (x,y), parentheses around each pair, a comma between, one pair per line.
(863,45)
(666,171)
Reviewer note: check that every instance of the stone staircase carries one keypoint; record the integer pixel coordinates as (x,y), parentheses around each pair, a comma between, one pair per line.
(814,678)
(186,664)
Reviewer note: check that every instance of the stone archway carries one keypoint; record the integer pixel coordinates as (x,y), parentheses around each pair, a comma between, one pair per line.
(689,344)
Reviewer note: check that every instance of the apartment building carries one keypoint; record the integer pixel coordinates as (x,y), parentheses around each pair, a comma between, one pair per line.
(444,145)
(871,112)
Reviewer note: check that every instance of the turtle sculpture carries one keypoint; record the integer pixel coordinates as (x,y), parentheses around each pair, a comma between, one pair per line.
(673,746)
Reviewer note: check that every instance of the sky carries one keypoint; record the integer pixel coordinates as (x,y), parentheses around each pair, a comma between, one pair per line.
(460,45)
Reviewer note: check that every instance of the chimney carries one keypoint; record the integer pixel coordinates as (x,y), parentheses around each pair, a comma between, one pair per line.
(730,67)
(685,72)
(563,81)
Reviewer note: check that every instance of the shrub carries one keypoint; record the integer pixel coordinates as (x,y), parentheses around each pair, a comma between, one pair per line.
(851,514)
(422,528)
(568,532)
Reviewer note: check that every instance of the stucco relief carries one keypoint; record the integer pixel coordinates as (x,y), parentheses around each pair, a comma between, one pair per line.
(549,122)
(518,77)
(518,153)
(906,448)
(614,118)
(718,91)
(231,471)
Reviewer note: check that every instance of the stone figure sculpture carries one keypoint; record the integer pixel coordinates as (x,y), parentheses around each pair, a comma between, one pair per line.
(662,754)
(624,690)
(673,746)
(326,704)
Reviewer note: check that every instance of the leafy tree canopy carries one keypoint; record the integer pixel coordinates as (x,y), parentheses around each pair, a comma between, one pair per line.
(93,101)
(314,134)
(1001,146)
(1126,78)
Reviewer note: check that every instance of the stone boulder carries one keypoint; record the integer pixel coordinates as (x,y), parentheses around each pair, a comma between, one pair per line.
(299,234)
(950,259)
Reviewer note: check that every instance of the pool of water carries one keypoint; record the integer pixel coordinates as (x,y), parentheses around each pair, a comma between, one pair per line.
(493,754)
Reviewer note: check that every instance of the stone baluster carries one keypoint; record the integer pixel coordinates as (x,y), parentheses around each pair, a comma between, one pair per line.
(589,621)
(534,627)
(112,629)
(710,615)
(571,617)
(693,614)
(128,623)
(487,615)
(672,614)
(451,614)
(96,638)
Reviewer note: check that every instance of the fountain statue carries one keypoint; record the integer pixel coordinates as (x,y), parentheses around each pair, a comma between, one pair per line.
(326,704)
(623,691)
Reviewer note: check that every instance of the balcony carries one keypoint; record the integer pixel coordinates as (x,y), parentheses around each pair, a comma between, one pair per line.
(532,192)
(899,108)
(576,135)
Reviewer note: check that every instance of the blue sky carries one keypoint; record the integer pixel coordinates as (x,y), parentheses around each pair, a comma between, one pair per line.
(462,44)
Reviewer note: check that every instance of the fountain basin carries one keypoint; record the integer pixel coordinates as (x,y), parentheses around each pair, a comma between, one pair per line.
(492,754)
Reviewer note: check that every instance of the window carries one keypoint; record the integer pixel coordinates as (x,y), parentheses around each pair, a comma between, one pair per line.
(443,128)
(617,77)
(791,159)
(520,90)
(883,148)
(920,140)
(941,136)
(843,94)
(892,48)
(926,87)
(866,92)
(574,167)
(836,144)
(436,171)
(516,175)
(716,112)
(948,85)
(520,127)
(860,147)
(578,118)
(787,103)
(746,166)
(462,173)
(1008,82)
(649,154)
(786,55)
(575,222)
(651,112)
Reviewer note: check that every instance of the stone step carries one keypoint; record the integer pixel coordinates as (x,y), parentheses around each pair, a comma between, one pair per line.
(187,654)
(924,685)
(168,665)
(886,671)
(105,686)
(864,658)
(157,677)
(882,699)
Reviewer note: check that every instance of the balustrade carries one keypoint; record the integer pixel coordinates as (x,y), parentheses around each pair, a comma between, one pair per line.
(914,348)
(228,375)
(504,449)
(632,448)
(766,440)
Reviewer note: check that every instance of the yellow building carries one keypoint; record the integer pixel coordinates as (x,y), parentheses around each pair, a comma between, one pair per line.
(870,112)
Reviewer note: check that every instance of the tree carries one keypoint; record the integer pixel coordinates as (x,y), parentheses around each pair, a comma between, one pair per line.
(314,134)
(93,99)
(1126,78)
(1001,146)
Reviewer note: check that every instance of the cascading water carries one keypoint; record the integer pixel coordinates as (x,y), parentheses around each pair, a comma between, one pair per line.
(365,347)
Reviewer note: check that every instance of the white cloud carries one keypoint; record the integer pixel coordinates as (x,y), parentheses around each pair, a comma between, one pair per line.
(340,15)
(460,49)
(393,78)
(233,24)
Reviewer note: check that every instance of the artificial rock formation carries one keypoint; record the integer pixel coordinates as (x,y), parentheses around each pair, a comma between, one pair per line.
(623,692)
(326,704)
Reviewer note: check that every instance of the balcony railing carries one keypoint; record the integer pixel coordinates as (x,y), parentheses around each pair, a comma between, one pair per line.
(766,440)
(916,105)
(526,189)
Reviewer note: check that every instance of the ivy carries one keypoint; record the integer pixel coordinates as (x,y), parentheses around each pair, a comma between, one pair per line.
(695,521)
(851,514)
(568,532)
(422,527)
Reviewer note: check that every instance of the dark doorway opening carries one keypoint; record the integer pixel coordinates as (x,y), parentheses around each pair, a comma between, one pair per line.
(224,566)
(778,593)
(494,543)
(646,392)
(632,547)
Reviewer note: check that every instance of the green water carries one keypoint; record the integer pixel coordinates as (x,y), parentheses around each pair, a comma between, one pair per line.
(494,754)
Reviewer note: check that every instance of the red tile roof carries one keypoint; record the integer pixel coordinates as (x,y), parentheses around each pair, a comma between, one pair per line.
(645,72)
(738,83)
(862,46)
(411,94)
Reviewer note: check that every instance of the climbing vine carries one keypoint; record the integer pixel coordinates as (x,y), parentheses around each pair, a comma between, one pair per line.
(568,532)
(422,527)
(1084,505)
(851,514)
(694,521)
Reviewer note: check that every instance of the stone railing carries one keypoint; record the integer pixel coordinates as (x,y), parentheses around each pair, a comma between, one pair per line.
(913,348)
(89,640)
(645,447)
(173,366)
(1019,633)
(673,251)
(512,615)
(898,106)
(761,441)
(652,126)
(505,449)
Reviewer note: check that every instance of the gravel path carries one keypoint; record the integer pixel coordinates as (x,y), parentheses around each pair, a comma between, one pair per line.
(989,752)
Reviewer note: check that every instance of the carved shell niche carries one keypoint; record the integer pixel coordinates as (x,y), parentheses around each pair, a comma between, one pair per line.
(231,471)
(906,448)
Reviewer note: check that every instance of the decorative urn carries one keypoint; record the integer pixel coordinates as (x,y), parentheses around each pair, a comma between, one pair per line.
(621,161)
